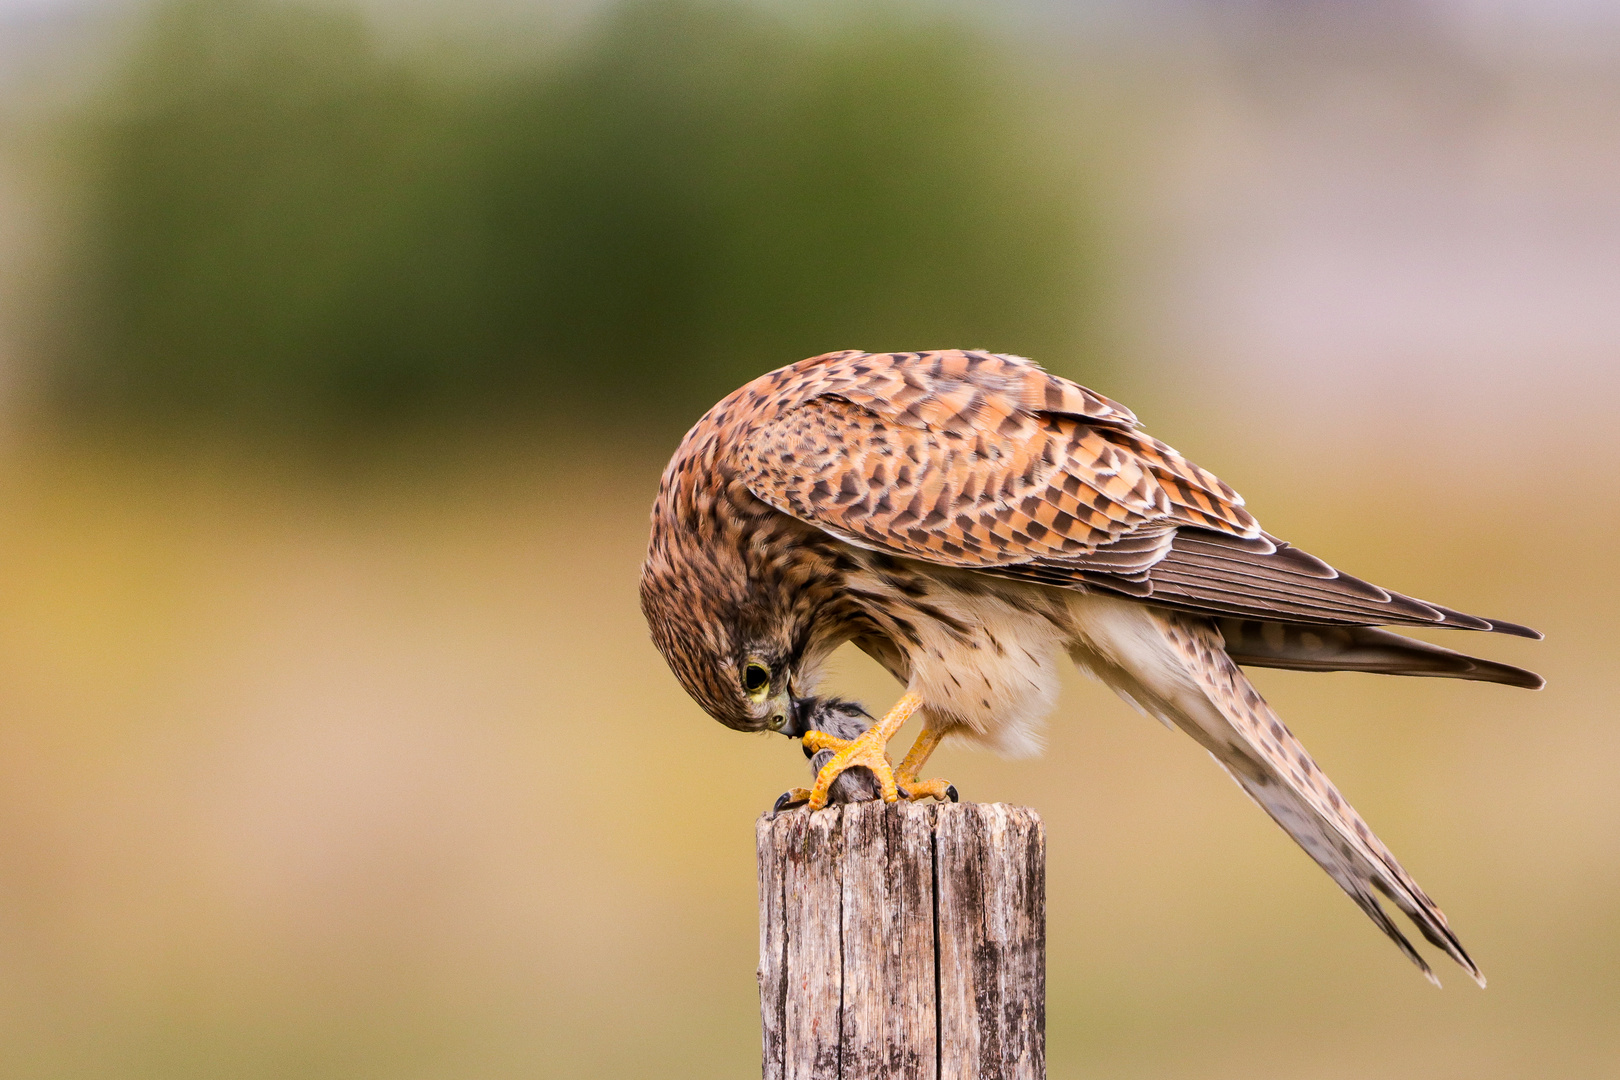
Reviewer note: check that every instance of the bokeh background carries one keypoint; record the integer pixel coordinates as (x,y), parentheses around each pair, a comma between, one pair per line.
(341,344)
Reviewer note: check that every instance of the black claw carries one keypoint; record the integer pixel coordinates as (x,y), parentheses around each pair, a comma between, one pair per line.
(904,794)
(950,793)
(786,801)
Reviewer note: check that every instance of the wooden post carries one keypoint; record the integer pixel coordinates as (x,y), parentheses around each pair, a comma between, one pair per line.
(904,941)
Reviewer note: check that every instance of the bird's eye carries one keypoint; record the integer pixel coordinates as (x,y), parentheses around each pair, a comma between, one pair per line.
(756,678)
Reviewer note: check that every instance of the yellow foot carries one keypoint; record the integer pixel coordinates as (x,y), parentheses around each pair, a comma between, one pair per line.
(916,790)
(868,749)
(918,756)
(817,741)
(789,799)
(862,750)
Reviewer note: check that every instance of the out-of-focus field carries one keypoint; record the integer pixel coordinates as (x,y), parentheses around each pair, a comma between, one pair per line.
(332,751)
(375,774)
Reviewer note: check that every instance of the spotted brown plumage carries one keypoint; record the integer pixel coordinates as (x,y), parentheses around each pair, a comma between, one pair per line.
(972,521)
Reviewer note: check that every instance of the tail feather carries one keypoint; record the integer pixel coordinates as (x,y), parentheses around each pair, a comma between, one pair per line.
(1174,666)
(1254,643)
(1360,872)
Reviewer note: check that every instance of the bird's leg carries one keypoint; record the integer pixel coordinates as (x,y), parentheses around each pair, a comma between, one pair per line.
(868,749)
(906,775)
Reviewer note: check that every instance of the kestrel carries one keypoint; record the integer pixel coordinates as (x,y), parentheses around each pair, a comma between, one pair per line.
(970,521)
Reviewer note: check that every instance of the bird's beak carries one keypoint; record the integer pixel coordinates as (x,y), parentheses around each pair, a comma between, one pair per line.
(781,712)
(801,711)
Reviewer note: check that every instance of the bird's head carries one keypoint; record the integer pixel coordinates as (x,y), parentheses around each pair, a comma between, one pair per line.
(743,662)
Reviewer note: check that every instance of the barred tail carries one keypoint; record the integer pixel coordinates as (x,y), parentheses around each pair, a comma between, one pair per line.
(1174,666)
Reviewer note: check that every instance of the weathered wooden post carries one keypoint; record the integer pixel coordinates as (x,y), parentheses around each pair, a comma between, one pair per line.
(904,941)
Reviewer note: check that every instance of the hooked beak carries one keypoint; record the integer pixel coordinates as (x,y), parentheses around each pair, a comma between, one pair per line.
(791,715)
(781,716)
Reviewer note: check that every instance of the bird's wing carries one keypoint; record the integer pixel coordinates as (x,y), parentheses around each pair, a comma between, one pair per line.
(980,461)
(987,462)
(1359,648)
(1269,580)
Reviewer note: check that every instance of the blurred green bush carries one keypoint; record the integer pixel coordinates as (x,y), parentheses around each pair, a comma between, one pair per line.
(287,223)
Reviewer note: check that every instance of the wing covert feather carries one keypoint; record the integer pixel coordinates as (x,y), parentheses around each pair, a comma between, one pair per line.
(987,462)
(966,465)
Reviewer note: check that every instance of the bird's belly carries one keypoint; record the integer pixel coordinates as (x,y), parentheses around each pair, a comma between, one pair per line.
(987,664)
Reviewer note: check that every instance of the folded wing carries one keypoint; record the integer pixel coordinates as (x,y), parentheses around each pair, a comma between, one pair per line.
(986,462)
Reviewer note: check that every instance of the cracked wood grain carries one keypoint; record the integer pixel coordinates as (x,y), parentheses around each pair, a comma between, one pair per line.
(903,941)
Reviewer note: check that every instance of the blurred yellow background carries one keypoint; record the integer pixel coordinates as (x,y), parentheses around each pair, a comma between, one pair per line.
(341,347)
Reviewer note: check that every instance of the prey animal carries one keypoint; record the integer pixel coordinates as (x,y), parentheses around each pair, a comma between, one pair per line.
(844,721)
(972,522)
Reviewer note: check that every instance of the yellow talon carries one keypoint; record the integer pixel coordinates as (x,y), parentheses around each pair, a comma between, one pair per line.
(868,749)
(917,790)
(916,757)
(817,741)
(789,799)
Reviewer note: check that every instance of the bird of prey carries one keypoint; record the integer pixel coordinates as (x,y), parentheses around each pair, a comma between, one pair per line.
(970,521)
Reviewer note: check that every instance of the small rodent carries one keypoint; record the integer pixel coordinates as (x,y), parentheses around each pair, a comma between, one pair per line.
(845,720)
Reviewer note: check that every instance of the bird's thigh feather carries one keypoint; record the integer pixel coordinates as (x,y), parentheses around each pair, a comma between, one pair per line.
(988,661)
